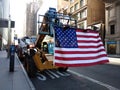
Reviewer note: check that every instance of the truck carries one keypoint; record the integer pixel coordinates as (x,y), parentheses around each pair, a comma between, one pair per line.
(38,58)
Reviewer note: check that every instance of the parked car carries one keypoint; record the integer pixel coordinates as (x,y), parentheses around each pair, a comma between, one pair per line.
(21,48)
(24,44)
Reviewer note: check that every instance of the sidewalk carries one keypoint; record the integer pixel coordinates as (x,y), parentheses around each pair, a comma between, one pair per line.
(114,59)
(17,80)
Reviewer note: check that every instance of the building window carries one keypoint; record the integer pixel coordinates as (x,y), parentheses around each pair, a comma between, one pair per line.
(112,29)
(81,25)
(112,12)
(111,47)
(71,1)
(83,14)
(76,6)
(76,16)
(71,9)
(81,3)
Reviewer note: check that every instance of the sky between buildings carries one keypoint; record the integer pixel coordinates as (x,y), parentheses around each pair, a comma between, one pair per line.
(18,11)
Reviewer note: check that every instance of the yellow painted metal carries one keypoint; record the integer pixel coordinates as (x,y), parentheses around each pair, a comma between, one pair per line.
(45,65)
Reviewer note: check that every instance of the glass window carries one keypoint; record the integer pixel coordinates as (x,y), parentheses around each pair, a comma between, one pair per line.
(75,16)
(27,41)
(71,9)
(81,25)
(71,1)
(78,15)
(76,6)
(1,10)
(81,3)
(112,12)
(112,29)
(83,14)
(111,48)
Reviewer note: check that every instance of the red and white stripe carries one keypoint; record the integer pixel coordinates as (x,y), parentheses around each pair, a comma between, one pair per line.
(90,51)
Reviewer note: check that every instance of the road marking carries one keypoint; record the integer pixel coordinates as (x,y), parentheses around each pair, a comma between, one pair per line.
(41,77)
(95,81)
(53,74)
(50,75)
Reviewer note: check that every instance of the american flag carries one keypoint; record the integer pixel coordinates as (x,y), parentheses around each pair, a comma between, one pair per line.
(78,48)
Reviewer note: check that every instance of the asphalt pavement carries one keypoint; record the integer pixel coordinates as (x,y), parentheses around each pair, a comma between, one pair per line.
(19,80)
(16,80)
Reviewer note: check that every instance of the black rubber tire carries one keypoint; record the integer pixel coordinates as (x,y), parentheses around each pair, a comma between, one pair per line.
(31,68)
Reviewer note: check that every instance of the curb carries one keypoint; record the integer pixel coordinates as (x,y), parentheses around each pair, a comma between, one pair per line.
(28,80)
(114,56)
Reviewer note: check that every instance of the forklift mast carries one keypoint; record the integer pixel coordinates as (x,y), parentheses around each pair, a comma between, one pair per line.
(51,19)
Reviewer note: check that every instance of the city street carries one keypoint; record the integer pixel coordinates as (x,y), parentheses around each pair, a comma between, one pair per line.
(98,77)
(60,44)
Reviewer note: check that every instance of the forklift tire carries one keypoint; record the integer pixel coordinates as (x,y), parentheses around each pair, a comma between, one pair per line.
(63,69)
(31,68)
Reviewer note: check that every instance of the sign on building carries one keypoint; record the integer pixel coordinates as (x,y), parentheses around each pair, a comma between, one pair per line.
(4,23)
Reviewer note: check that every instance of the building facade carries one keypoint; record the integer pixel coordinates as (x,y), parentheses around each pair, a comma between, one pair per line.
(31,17)
(112,39)
(103,14)
(4,17)
(78,10)
(86,12)
(62,6)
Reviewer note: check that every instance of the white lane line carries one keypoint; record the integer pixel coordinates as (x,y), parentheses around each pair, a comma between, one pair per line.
(41,77)
(53,74)
(66,74)
(95,81)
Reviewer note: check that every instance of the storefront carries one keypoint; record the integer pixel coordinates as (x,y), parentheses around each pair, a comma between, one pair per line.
(111,47)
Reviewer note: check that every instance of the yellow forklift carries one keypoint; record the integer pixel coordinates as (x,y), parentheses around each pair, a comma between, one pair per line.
(36,59)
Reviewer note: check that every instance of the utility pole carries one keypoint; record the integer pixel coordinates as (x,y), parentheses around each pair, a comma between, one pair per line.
(9,36)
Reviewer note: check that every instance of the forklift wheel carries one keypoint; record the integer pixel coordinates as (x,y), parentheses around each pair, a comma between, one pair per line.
(62,68)
(31,68)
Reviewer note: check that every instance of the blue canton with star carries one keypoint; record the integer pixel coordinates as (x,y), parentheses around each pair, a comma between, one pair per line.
(65,38)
